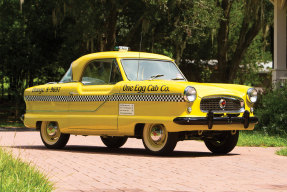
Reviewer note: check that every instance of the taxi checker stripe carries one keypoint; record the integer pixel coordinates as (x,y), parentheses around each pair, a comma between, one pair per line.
(148,97)
(55,98)
(115,97)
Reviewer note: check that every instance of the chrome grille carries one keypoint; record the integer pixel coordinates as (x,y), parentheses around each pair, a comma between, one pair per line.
(233,105)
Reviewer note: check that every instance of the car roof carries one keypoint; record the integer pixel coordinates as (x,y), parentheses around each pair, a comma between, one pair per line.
(123,54)
(79,64)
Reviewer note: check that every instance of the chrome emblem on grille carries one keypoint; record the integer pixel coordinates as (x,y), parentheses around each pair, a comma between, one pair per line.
(222,103)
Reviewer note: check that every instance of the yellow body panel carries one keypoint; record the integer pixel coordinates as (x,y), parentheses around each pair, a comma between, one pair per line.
(116,109)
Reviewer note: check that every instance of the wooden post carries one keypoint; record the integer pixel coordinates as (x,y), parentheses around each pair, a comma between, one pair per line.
(279,71)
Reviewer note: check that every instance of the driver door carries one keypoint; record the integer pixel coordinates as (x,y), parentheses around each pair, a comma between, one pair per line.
(92,107)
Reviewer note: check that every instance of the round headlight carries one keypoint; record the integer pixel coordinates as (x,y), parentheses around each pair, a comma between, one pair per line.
(189,94)
(252,95)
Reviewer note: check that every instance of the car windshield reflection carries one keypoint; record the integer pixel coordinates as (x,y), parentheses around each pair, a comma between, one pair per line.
(144,69)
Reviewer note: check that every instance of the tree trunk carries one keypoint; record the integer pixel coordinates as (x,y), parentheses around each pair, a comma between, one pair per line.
(179,48)
(31,80)
(133,31)
(228,64)
(111,25)
(221,75)
(2,81)
(247,34)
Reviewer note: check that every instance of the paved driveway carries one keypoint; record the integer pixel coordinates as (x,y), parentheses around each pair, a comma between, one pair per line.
(86,165)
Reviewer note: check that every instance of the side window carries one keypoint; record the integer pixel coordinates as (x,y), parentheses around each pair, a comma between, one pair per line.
(100,72)
(116,75)
(67,77)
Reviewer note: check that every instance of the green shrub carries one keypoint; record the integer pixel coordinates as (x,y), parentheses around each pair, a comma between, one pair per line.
(272,111)
(282,152)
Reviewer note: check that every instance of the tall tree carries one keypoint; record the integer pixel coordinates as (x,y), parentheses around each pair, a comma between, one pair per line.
(230,52)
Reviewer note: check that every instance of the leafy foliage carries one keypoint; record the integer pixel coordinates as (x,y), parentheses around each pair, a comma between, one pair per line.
(282,152)
(240,24)
(272,112)
(249,71)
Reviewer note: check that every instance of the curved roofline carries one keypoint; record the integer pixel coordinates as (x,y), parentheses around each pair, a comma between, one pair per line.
(124,54)
(79,64)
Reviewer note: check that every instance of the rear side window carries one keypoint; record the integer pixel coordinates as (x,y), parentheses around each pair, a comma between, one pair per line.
(101,72)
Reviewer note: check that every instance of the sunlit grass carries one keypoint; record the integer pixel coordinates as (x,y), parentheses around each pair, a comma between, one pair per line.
(16,175)
(258,139)
(282,151)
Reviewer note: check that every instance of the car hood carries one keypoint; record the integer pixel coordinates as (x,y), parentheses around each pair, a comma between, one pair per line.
(203,89)
(207,89)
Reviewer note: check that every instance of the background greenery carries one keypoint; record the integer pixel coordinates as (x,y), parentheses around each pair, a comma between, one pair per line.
(39,39)
(272,111)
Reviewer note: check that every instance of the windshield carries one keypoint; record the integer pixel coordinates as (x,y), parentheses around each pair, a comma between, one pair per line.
(143,69)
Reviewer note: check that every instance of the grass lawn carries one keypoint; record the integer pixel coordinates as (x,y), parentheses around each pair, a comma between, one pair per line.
(258,139)
(282,152)
(16,175)
(11,124)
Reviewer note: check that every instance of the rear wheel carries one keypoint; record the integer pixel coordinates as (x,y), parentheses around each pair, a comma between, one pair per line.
(222,143)
(157,140)
(114,142)
(51,135)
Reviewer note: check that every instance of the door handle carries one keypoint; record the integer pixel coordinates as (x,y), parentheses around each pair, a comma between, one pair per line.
(74,93)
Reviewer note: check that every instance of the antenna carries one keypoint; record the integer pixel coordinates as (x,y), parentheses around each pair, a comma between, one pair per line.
(141,41)
(139,54)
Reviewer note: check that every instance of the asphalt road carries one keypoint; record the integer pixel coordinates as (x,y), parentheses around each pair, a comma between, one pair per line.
(86,165)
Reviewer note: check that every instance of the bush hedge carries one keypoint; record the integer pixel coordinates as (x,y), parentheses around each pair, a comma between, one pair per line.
(271,110)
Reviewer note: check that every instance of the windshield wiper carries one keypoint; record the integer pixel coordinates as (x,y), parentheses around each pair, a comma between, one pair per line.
(155,76)
(178,79)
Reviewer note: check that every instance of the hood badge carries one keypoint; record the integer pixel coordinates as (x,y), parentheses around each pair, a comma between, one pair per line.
(222,103)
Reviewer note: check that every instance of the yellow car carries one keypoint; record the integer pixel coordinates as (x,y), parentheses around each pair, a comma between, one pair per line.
(121,94)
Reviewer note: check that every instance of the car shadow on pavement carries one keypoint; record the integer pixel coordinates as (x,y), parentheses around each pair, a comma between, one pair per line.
(122,151)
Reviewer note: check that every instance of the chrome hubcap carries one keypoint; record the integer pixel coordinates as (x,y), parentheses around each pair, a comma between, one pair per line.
(52,129)
(156,133)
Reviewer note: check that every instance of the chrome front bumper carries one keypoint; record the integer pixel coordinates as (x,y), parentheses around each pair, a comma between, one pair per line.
(210,120)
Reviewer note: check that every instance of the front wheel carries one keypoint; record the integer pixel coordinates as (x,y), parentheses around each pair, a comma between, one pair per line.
(114,142)
(222,143)
(157,140)
(51,135)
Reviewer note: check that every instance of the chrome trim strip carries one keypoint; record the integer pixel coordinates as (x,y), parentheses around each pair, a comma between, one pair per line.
(222,111)
(222,97)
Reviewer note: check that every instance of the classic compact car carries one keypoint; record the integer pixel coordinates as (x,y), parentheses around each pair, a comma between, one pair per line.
(121,94)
